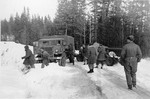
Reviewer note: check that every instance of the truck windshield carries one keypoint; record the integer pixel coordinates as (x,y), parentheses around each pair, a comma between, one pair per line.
(50,43)
(55,42)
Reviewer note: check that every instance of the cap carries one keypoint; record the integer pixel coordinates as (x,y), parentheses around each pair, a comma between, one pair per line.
(131,38)
(26,47)
(41,50)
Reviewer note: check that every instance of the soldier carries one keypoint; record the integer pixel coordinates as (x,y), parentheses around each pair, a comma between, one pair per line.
(96,45)
(101,58)
(28,58)
(131,55)
(85,50)
(71,53)
(62,61)
(45,58)
(91,58)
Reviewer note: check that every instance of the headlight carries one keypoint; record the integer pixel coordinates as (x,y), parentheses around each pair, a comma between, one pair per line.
(56,51)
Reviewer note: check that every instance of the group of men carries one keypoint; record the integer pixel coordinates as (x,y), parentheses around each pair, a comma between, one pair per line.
(130,56)
(29,59)
(96,53)
(67,53)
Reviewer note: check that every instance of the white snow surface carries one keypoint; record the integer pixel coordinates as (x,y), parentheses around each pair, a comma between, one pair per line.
(69,82)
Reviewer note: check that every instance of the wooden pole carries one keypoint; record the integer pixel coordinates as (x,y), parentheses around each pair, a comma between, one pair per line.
(84,34)
(0,30)
(90,30)
(95,19)
(66,29)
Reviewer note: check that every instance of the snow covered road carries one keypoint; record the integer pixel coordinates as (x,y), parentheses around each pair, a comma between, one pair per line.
(112,82)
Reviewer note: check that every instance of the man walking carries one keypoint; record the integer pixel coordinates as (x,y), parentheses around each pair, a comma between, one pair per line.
(131,55)
(91,58)
(71,53)
(45,58)
(28,58)
(101,58)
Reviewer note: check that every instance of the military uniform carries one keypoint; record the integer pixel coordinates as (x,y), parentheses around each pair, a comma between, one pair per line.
(131,55)
(71,53)
(45,58)
(91,58)
(28,58)
(101,56)
(62,61)
(85,50)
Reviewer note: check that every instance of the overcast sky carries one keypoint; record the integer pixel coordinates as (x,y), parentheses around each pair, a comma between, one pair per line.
(40,7)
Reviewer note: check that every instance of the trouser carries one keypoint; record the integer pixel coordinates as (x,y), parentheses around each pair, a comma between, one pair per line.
(130,71)
(100,61)
(45,62)
(71,59)
(91,66)
(27,66)
(62,61)
(84,59)
(32,66)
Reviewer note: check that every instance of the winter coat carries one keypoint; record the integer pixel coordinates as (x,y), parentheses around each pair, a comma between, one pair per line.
(91,55)
(131,53)
(45,57)
(71,53)
(101,53)
(62,61)
(85,51)
(29,58)
(71,49)
(96,45)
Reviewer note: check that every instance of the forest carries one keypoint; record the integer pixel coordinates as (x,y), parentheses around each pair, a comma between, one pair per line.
(109,22)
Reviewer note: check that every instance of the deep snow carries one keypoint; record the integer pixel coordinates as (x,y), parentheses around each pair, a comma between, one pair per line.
(69,82)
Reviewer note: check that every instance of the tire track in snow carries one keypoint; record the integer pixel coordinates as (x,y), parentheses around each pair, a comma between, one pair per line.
(96,83)
(120,83)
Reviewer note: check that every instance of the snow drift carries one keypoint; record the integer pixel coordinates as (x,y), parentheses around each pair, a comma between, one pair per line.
(51,82)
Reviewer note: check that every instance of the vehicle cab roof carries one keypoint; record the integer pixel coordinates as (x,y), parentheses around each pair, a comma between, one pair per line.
(54,37)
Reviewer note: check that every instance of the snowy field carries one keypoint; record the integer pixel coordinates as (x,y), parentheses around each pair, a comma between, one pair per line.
(69,82)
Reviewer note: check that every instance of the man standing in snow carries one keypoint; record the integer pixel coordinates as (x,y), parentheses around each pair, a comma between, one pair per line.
(71,53)
(101,58)
(85,50)
(62,61)
(28,58)
(91,58)
(131,55)
(96,45)
(45,58)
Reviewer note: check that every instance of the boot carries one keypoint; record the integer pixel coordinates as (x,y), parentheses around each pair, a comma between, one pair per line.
(130,87)
(96,66)
(91,70)
(134,85)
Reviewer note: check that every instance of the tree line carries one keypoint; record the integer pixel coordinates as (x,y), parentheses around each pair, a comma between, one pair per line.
(108,21)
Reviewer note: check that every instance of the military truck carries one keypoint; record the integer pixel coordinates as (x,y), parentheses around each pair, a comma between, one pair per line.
(55,45)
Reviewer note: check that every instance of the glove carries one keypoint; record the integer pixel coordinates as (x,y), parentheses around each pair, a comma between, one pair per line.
(138,59)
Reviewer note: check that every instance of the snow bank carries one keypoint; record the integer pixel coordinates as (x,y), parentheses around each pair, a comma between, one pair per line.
(48,82)
(51,82)
(11,54)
